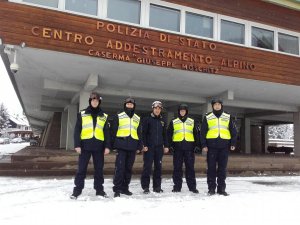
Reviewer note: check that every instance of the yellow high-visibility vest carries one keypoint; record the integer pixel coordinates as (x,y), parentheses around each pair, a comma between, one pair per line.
(218,126)
(183,131)
(88,131)
(128,126)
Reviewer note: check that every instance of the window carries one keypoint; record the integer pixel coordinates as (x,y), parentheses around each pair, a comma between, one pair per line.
(199,25)
(262,38)
(232,32)
(83,6)
(288,43)
(50,3)
(164,18)
(124,10)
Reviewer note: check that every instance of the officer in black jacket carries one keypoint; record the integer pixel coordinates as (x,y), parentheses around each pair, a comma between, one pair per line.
(183,137)
(218,135)
(91,138)
(155,145)
(126,138)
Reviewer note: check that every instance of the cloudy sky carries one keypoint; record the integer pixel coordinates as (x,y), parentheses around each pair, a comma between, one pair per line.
(7,93)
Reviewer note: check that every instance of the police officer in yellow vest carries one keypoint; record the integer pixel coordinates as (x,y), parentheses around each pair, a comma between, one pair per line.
(91,138)
(183,136)
(218,135)
(126,138)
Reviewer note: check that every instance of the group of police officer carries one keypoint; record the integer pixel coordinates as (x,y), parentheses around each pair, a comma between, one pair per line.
(93,137)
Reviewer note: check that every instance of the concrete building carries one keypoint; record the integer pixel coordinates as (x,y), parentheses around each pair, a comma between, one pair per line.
(18,127)
(245,51)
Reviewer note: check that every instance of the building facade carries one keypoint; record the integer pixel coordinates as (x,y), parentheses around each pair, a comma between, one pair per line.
(246,52)
(17,127)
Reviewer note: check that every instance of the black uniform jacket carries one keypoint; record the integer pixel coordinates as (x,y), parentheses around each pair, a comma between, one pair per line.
(154,131)
(92,144)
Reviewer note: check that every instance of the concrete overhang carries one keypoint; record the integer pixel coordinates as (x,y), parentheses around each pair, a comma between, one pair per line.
(47,81)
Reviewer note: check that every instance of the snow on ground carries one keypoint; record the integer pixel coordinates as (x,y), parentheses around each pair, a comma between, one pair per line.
(252,200)
(11,148)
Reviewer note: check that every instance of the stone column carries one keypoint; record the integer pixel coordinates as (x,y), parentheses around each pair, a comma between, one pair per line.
(72,117)
(246,136)
(63,129)
(84,100)
(170,115)
(205,109)
(297,133)
(266,138)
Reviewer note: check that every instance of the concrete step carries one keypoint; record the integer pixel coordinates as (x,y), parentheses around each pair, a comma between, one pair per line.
(36,161)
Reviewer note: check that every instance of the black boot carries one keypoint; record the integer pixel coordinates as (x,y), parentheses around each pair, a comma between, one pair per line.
(146,191)
(158,190)
(76,193)
(101,193)
(117,194)
(211,192)
(195,191)
(176,190)
(224,193)
(126,192)
(221,191)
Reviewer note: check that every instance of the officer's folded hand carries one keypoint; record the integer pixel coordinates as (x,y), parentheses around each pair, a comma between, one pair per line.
(197,150)
(106,151)
(166,150)
(78,150)
(232,148)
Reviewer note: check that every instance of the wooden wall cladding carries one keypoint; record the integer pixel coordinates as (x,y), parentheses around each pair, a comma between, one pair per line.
(252,10)
(58,31)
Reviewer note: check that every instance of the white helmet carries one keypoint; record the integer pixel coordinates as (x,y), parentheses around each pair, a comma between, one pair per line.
(157,104)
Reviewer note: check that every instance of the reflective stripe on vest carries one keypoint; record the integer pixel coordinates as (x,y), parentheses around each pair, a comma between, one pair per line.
(128,126)
(88,131)
(183,131)
(218,126)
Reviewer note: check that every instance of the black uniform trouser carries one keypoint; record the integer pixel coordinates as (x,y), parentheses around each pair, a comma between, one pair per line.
(188,156)
(83,161)
(123,170)
(217,159)
(155,155)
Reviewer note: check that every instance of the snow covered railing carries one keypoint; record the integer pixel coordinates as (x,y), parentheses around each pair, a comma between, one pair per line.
(281,142)
(281,146)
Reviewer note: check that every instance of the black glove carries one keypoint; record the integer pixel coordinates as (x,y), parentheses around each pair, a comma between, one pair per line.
(197,150)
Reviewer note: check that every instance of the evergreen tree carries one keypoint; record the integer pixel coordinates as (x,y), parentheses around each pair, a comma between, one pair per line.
(284,131)
(4,117)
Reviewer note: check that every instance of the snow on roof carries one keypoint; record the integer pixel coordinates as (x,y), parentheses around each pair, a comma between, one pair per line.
(19,121)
